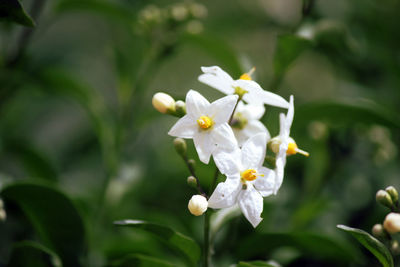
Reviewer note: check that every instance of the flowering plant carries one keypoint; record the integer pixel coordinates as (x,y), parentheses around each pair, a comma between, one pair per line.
(230,131)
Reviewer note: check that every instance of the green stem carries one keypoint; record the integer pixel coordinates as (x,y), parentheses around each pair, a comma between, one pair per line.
(234,109)
(206,251)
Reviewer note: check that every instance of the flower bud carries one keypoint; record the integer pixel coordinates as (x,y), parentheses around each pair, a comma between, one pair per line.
(192,163)
(192,182)
(274,144)
(180,146)
(197,205)
(378,231)
(393,193)
(164,103)
(180,108)
(384,198)
(392,223)
(395,247)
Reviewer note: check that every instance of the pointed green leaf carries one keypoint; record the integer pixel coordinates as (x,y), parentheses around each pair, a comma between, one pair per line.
(33,254)
(182,243)
(54,217)
(12,10)
(372,244)
(141,261)
(255,264)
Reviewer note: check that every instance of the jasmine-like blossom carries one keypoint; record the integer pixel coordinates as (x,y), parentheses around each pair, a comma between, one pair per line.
(247,180)
(246,124)
(207,124)
(283,145)
(249,90)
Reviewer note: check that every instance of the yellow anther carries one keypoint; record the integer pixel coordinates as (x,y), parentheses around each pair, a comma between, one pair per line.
(247,76)
(294,149)
(205,122)
(249,175)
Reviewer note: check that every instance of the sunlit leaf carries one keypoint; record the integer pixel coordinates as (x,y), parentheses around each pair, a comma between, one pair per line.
(142,261)
(33,254)
(54,217)
(12,10)
(175,239)
(372,244)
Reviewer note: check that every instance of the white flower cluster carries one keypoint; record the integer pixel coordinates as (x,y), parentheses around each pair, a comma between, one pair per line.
(229,129)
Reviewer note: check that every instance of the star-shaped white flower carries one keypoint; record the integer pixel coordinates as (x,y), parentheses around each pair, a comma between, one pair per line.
(246,122)
(251,91)
(283,145)
(247,180)
(207,124)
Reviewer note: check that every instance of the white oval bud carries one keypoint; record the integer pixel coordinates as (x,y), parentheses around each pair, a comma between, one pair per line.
(392,223)
(197,205)
(274,144)
(163,102)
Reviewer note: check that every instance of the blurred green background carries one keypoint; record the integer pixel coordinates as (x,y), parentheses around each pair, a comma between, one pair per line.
(81,145)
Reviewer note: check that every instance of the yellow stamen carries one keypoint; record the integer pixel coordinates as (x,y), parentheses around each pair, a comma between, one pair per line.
(205,122)
(247,76)
(250,175)
(294,149)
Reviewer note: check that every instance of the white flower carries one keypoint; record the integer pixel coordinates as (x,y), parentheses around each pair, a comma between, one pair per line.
(197,205)
(246,122)
(251,91)
(247,180)
(284,145)
(207,124)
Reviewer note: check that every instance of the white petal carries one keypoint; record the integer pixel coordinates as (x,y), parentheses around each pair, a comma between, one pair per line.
(254,127)
(253,151)
(185,127)
(221,109)
(223,136)
(265,184)
(280,167)
(283,133)
(204,145)
(196,104)
(226,193)
(228,162)
(215,77)
(251,204)
(274,100)
(251,112)
(289,116)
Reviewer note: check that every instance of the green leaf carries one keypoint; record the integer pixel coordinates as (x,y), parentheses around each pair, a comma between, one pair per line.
(288,48)
(33,254)
(372,244)
(141,261)
(219,50)
(12,10)
(343,113)
(182,243)
(53,216)
(35,162)
(255,264)
(312,245)
(108,9)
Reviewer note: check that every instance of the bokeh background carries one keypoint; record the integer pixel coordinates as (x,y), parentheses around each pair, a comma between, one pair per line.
(81,145)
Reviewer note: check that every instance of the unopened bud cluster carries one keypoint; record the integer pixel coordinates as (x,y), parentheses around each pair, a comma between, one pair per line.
(166,104)
(388,198)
